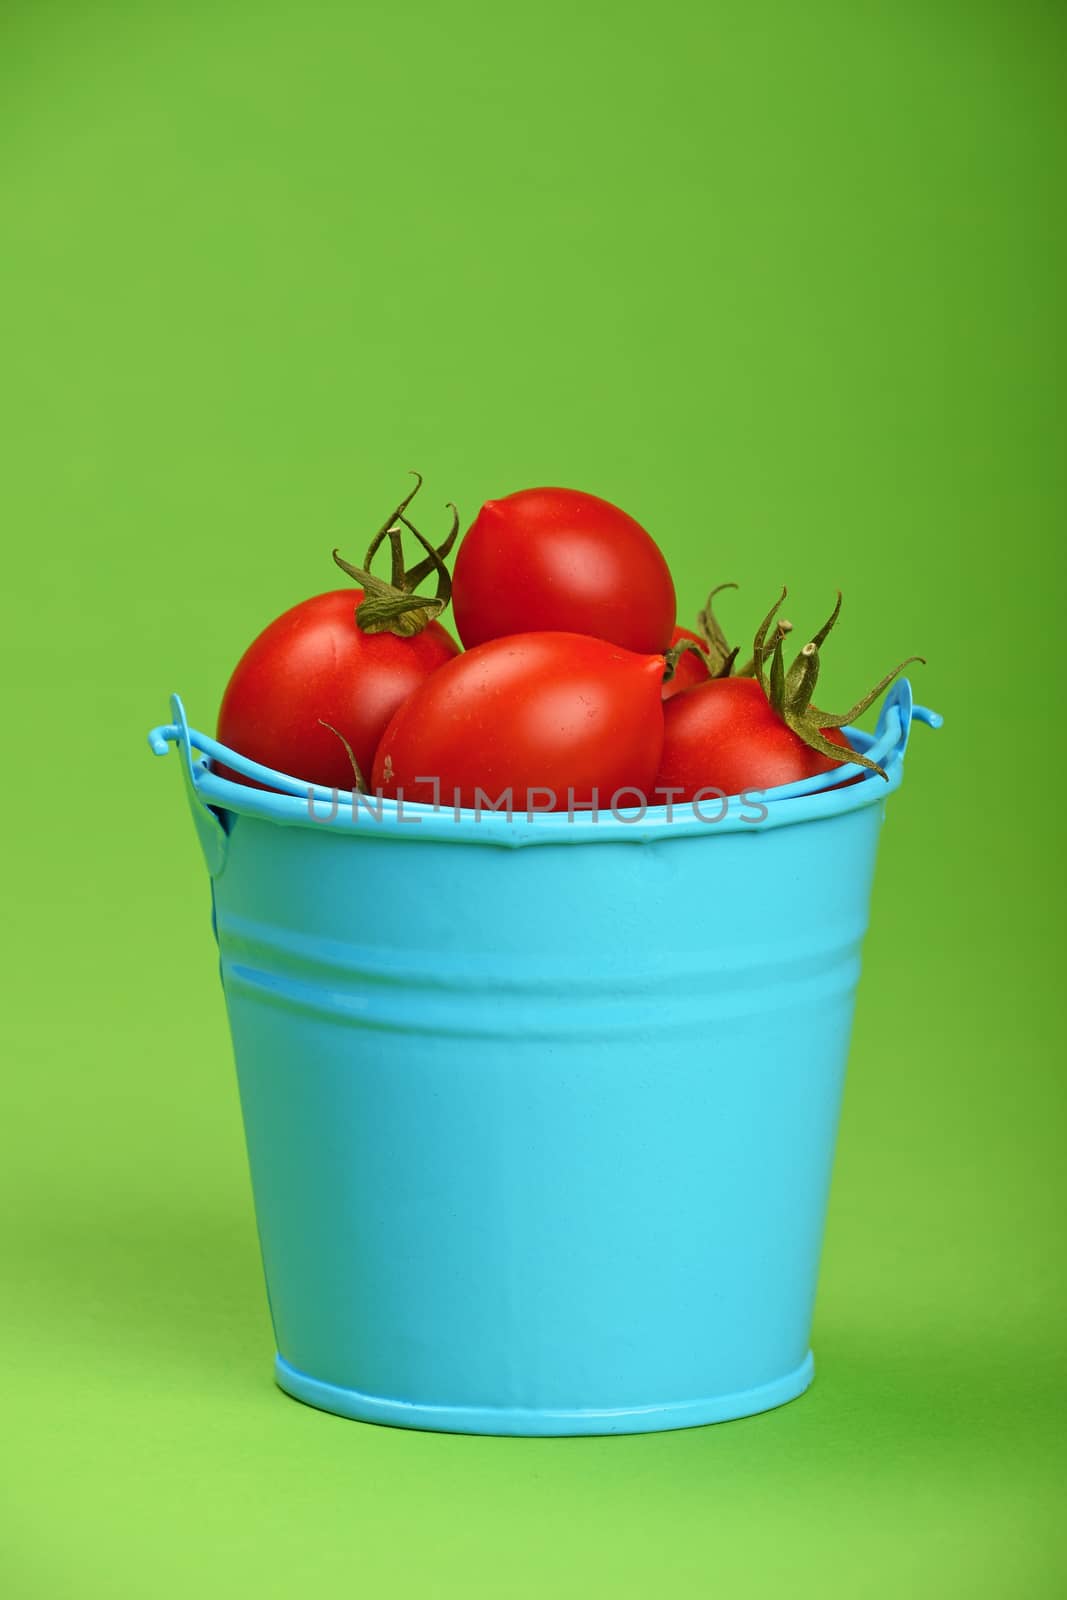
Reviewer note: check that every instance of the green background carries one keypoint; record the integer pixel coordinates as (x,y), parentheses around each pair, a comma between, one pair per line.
(787,283)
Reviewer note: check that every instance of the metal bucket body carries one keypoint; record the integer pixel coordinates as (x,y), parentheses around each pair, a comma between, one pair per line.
(541,1118)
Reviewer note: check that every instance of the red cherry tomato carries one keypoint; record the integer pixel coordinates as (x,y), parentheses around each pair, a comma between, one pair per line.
(724,735)
(314,662)
(544,718)
(691,668)
(561,560)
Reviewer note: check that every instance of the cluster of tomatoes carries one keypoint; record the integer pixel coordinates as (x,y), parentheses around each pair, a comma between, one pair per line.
(574,687)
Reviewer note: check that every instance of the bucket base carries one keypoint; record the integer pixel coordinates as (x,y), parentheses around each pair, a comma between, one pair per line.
(517,1421)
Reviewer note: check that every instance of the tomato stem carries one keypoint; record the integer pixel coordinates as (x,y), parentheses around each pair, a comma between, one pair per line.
(721,656)
(790,692)
(672,657)
(359,783)
(394,607)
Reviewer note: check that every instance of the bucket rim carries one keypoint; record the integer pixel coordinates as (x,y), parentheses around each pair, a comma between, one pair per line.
(314,807)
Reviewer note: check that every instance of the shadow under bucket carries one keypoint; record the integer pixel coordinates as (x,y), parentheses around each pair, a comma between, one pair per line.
(540,1113)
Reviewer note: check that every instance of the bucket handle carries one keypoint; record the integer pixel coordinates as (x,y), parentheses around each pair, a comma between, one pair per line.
(179,732)
(214,841)
(213,835)
(886,745)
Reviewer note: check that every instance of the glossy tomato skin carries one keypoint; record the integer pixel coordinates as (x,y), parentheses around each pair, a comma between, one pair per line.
(691,669)
(724,735)
(564,561)
(547,718)
(313,662)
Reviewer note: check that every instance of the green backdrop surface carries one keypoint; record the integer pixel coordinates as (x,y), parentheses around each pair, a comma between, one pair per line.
(787,283)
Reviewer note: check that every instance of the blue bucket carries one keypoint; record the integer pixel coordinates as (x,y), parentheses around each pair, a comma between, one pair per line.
(540,1112)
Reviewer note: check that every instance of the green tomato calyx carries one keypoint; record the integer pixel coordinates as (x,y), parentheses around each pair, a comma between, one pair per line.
(790,691)
(394,607)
